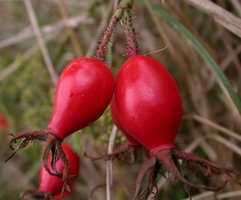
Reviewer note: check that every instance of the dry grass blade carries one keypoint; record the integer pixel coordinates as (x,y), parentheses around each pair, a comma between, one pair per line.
(215,126)
(43,48)
(109,174)
(227,143)
(98,32)
(236,5)
(222,16)
(212,195)
(194,144)
(72,33)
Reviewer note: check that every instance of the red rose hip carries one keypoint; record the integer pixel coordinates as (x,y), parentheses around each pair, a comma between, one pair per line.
(148,102)
(52,184)
(83,92)
(148,106)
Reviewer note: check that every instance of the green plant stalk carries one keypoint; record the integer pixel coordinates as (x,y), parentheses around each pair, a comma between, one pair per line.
(124,4)
(203,52)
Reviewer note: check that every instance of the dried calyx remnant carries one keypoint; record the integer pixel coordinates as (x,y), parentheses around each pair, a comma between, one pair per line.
(52,145)
(169,159)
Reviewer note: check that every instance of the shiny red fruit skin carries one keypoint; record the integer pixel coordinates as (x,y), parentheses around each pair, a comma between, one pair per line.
(83,92)
(59,197)
(52,184)
(3,124)
(131,141)
(148,103)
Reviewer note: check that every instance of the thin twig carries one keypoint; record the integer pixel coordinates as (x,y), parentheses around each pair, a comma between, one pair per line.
(72,33)
(46,30)
(109,169)
(109,174)
(43,48)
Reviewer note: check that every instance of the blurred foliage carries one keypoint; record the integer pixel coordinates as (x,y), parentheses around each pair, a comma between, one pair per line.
(26,94)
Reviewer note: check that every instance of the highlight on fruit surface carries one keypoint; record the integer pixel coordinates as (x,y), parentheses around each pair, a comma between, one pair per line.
(83,92)
(51,187)
(149,109)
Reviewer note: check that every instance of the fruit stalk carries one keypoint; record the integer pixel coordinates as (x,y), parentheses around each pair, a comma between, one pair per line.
(130,34)
(124,4)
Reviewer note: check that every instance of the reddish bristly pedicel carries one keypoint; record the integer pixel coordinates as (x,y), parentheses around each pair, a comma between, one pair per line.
(50,187)
(83,92)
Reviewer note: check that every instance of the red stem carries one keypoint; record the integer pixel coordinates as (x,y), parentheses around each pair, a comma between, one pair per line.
(130,34)
(124,4)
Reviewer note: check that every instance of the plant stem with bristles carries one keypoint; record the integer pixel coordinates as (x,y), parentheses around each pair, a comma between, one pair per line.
(124,4)
(130,34)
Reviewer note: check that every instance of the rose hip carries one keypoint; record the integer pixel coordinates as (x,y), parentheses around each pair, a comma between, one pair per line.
(83,92)
(148,106)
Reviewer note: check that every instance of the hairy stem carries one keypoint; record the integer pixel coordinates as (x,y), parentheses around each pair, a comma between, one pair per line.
(130,34)
(124,4)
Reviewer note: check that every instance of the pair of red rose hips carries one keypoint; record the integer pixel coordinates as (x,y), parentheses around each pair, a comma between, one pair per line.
(146,107)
